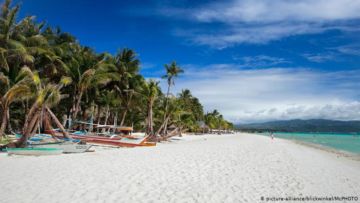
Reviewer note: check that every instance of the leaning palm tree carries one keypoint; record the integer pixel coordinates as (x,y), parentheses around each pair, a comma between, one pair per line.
(172,71)
(20,90)
(150,92)
(13,56)
(46,95)
(21,45)
(172,117)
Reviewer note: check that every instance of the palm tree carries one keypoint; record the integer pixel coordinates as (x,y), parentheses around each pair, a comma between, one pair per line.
(175,116)
(150,91)
(127,68)
(36,63)
(85,76)
(212,119)
(185,95)
(172,71)
(20,90)
(46,95)
(21,45)
(14,54)
(111,102)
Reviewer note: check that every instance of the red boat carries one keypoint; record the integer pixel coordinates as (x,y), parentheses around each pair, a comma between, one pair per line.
(116,141)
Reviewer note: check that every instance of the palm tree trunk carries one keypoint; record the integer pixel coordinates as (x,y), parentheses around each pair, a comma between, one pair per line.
(58,123)
(65,119)
(32,125)
(162,125)
(35,127)
(29,125)
(99,118)
(165,127)
(151,118)
(172,134)
(150,128)
(180,129)
(31,112)
(3,122)
(126,110)
(71,111)
(166,108)
(98,114)
(8,119)
(106,117)
(47,124)
(77,106)
(123,117)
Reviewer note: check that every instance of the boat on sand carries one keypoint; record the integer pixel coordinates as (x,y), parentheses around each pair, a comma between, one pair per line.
(30,151)
(67,147)
(116,142)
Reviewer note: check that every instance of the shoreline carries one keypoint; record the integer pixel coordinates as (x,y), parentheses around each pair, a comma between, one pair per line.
(209,168)
(342,153)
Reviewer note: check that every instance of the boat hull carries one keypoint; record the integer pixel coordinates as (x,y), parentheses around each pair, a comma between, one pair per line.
(116,141)
(123,142)
(34,151)
(66,147)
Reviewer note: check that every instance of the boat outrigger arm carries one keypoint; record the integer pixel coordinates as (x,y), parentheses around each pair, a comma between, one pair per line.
(115,127)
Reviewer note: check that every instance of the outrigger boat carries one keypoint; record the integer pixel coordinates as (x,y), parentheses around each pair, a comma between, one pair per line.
(34,151)
(118,142)
(48,141)
(123,137)
(67,147)
(109,135)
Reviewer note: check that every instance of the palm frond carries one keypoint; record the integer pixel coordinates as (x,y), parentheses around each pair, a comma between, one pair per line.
(36,40)
(4,79)
(16,45)
(65,81)
(17,92)
(86,78)
(3,62)
(25,73)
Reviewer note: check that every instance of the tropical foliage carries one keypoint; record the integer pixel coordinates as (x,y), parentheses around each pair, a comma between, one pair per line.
(42,67)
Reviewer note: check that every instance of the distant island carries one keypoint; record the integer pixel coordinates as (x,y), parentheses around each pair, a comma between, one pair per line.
(298,125)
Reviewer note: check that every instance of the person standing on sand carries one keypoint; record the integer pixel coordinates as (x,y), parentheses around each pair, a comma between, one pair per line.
(272,135)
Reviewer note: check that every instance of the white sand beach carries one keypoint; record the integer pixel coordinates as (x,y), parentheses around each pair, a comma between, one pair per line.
(228,168)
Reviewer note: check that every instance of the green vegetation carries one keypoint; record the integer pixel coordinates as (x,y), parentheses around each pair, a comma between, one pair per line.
(45,74)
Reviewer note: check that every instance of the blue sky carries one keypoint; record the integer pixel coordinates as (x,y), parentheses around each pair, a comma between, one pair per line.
(254,60)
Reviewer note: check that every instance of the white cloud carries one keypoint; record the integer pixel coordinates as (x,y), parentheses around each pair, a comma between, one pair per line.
(260,61)
(275,93)
(268,11)
(349,50)
(258,34)
(262,21)
(319,58)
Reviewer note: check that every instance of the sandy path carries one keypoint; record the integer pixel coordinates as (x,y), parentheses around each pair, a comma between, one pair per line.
(231,168)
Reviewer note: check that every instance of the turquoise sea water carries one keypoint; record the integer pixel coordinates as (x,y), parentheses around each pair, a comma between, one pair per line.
(343,142)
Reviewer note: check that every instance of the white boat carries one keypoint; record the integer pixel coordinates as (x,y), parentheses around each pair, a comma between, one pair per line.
(67,147)
(34,151)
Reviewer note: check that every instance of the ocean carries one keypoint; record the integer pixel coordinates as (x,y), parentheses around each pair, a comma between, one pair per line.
(343,142)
